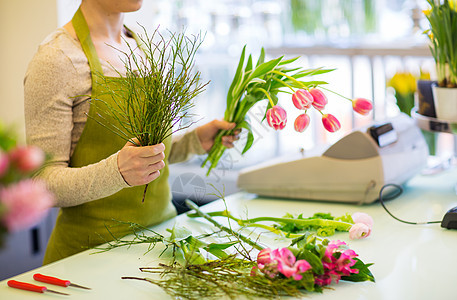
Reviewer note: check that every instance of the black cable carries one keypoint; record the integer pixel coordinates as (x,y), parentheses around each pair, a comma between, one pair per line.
(398,193)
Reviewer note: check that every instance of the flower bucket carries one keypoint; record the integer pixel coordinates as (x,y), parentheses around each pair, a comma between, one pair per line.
(445,103)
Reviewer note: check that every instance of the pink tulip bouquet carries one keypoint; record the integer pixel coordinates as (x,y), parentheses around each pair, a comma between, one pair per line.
(265,80)
(23,201)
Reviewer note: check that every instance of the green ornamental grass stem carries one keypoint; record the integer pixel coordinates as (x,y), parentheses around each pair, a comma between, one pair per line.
(153,96)
(202,214)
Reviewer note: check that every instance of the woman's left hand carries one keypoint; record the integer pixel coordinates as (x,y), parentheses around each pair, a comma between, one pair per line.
(206,134)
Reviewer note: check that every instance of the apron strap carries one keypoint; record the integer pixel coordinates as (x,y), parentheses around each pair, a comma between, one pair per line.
(83,34)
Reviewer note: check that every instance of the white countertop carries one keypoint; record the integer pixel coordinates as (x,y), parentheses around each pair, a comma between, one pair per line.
(410,261)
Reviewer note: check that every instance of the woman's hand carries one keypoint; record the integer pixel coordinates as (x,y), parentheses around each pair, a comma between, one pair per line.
(206,134)
(140,165)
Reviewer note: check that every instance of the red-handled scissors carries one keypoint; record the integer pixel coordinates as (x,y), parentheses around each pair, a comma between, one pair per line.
(31,287)
(57,281)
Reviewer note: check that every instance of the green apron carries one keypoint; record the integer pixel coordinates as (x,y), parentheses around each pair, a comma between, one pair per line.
(84,226)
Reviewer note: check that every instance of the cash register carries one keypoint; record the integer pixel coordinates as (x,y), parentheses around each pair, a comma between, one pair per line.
(352,170)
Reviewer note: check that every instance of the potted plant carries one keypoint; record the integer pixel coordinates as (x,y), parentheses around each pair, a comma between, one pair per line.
(442,17)
(405,85)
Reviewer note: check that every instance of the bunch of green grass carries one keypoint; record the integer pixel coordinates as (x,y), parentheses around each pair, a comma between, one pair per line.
(226,278)
(154,95)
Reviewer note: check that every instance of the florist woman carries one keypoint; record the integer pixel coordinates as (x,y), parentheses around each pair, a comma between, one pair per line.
(94,174)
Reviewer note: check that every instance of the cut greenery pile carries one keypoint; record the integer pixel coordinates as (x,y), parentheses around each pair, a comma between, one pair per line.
(229,268)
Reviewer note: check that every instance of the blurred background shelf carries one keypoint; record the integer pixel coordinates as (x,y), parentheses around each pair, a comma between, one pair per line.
(434,124)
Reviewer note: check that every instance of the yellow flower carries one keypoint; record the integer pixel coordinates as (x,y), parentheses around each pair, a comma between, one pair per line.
(453,4)
(427,12)
(403,83)
(424,75)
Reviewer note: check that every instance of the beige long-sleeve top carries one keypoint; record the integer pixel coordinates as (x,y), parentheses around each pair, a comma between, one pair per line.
(55,119)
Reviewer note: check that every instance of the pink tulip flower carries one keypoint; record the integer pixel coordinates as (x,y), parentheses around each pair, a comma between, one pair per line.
(302,99)
(301,122)
(319,99)
(266,264)
(359,231)
(264,256)
(26,202)
(330,122)
(4,163)
(360,217)
(362,106)
(27,158)
(277,117)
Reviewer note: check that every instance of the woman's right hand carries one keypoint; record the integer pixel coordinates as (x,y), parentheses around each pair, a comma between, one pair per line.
(140,165)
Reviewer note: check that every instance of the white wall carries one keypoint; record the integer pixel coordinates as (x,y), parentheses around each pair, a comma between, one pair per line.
(24,24)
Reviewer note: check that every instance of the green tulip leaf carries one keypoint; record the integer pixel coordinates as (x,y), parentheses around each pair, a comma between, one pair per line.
(363,275)
(261,57)
(250,138)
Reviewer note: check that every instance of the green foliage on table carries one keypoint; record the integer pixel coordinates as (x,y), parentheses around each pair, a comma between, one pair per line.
(363,275)
(199,269)
(324,224)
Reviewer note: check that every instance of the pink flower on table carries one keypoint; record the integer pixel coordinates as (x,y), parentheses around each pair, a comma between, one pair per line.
(302,99)
(337,262)
(346,261)
(362,106)
(266,264)
(280,261)
(301,122)
(324,279)
(330,122)
(332,247)
(276,117)
(27,158)
(4,163)
(319,99)
(288,265)
(360,217)
(26,202)
(359,231)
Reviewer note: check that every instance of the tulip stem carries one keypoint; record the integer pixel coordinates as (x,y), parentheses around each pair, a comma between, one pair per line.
(268,96)
(336,93)
(285,84)
(290,78)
